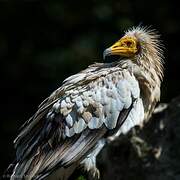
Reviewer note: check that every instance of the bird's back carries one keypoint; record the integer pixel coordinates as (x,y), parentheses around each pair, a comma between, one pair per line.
(71,126)
(75,117)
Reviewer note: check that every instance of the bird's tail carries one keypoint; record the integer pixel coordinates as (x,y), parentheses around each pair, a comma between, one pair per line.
(26,170)
(39,166)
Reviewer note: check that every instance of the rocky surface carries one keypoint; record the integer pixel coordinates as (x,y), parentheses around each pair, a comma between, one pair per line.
(150,153)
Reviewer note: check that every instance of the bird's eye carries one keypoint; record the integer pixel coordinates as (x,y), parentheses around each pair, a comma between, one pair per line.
(129,43)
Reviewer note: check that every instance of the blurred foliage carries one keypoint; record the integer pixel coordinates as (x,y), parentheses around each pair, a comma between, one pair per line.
(43,42)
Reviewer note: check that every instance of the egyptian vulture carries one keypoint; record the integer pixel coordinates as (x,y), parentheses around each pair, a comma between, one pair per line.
(91,107)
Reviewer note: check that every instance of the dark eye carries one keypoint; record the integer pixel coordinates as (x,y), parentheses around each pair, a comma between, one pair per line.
(128,43)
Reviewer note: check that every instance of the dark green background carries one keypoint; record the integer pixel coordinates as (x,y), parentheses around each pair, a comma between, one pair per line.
(43,42)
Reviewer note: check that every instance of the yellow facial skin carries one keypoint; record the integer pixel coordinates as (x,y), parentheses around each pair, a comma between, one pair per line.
(125,47)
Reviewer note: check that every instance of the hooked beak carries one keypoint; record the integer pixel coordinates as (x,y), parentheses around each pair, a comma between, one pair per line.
(107,52)
(121,48)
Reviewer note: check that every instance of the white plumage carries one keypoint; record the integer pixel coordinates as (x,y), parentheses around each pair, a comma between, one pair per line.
(103,101)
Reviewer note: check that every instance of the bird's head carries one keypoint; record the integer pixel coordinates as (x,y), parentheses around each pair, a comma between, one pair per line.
(140,45)
(127,46)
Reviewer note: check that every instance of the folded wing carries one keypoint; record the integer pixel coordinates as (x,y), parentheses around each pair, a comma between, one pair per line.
(68,124)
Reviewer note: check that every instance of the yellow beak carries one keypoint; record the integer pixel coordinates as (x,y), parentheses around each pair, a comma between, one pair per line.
(121,48)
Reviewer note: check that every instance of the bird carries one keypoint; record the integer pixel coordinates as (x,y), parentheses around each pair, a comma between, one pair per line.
(91,109)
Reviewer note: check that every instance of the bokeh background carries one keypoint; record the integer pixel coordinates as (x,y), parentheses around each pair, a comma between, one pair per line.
(43,42)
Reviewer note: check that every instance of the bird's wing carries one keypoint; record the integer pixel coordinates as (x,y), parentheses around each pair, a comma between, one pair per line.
(71,121)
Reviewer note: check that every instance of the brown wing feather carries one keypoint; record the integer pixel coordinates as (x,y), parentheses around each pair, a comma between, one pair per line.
(72,151)
(45,142)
